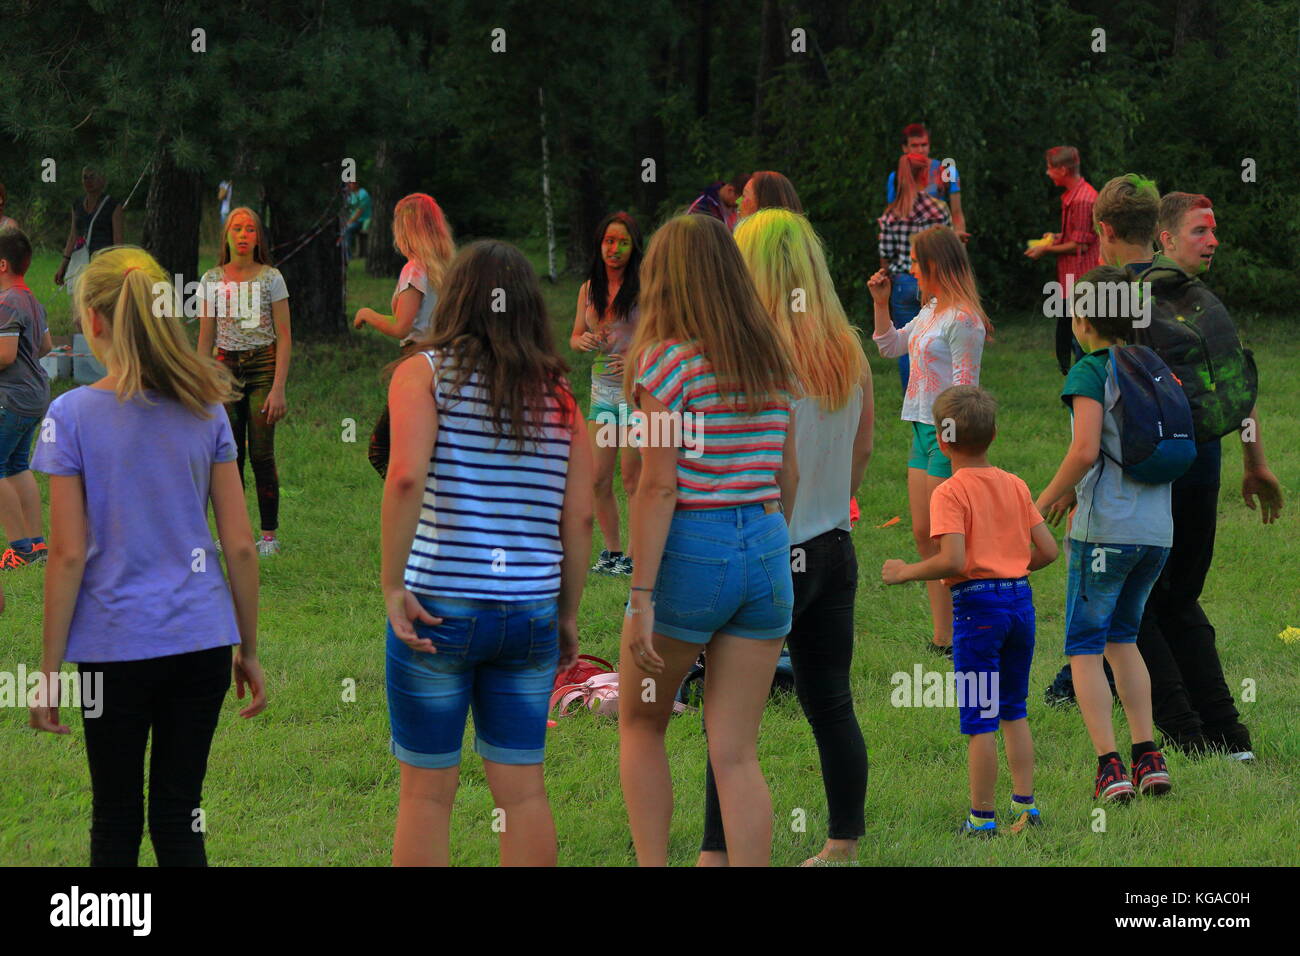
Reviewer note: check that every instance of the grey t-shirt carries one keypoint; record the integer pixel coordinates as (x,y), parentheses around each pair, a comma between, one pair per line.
(1113,508)
(24,386)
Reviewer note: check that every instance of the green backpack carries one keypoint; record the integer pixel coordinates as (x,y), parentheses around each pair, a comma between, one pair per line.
(1191,330)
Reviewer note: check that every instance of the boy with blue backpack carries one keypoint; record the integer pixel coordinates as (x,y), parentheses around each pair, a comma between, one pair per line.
(1132,432)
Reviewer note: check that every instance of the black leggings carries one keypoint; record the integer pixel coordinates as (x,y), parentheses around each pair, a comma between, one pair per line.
(821,650)
(178,698)
(254,370)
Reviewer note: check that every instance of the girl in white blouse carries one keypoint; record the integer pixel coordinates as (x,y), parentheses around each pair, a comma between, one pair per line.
(944,344)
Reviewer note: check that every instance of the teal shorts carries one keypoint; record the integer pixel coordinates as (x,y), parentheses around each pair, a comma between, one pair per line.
(607,404)
(926,454)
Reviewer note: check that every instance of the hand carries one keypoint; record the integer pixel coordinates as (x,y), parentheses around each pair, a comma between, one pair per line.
(568,644)
(364,315)
(638,637)
(879,286)
(44,712)
(1054,511)
(247,670)
(1037,252)
(964,236)
(892,571)
(403,608)
(275,409)
(588,341)
(615,365)
(1262,483)
(58,276)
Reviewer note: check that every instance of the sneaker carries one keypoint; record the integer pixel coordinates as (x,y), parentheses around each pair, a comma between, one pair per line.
(1113,784)
(1245,756)
(604,564)
(40,554)
(968,829)
(1150,775)
(12,560)
(942,649)
(622,565)
(267,547)
(1024,818)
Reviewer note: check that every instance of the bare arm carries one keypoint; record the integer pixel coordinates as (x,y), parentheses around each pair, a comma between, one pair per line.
(582,339)
(119,228)
(47,345)
(958,217)
(949,561)
(65,567)
(1257,479)
(787,477)
(283,342)
(864,440)
(8,350)
(1083,452)
(236,535)
(576,522)
(1045,549)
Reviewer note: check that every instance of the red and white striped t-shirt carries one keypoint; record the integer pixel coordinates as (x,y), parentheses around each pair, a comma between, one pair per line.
(732,457)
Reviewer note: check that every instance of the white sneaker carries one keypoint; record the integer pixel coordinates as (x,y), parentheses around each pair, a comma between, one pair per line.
(267,547)
(1245,756)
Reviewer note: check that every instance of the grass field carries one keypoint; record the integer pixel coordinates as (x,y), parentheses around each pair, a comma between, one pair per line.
(311,781)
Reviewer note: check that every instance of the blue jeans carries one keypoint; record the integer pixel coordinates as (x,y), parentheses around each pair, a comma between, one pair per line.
(16,433)
(498,657)
(904,304)
(1106,591)
(728,570)
(992,648)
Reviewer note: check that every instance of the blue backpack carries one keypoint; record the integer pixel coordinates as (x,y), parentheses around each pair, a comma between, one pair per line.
(1156,435)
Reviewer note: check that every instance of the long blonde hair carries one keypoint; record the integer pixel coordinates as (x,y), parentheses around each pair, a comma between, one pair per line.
(146,350)
(946,273)
(695,287)
(786,260)
(421,233)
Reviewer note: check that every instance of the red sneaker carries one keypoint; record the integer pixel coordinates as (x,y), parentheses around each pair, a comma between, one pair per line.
(1150,774)
(1113,784)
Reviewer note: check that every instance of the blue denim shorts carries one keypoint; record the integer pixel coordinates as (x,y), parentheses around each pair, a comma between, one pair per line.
(992,649)
(497,657)
(16,433)
(1106,592)
(725,570)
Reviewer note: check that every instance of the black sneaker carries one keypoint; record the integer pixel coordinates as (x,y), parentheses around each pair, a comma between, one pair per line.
(1061,691)
(1150,775)
(1113,784)
(942,649)
(622,565)
(604,564)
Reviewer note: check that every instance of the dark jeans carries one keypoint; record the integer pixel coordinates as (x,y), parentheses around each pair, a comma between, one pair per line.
(1190,698)
(821,650)
(254,370)
(904,304)
(178,698)
(1067,349)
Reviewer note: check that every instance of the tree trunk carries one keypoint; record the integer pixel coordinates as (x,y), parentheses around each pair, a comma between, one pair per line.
(382,258)
(771,53)
(703,54)
(587,207)
(173,210)
(305,232)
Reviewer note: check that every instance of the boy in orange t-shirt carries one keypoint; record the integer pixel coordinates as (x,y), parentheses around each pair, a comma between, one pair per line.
(990,537)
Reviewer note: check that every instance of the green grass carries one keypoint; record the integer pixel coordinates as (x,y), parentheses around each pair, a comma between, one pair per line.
(311,780)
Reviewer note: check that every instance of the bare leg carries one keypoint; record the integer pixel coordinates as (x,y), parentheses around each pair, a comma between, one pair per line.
(423,834)
(736,685)
(630,460)
(604,457)
(528,833)
(1093,694)
(1020,755)
(920,487)
(982,759)
(1133,684)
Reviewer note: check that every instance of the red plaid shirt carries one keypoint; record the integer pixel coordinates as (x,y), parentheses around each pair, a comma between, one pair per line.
(1076,226)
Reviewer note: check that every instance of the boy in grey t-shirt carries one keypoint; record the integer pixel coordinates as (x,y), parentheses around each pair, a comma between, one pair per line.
(24,398)
(1119,540)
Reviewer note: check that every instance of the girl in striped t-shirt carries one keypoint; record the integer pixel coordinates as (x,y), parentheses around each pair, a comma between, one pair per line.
(709,373)
(487,521)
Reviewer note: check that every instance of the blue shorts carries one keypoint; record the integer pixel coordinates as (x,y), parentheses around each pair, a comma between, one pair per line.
(1106,591)
(607,404)
(725,570)
(16,433)
(926,454)
(498,657)
(992,648)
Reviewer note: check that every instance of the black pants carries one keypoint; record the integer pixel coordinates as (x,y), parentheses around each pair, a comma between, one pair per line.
(178,698)
(1067,349)
(821,650)
(1190,699)
(254,370)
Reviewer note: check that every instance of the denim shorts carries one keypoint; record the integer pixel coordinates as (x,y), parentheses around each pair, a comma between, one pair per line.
(992,648)
(1106,591)
(498,657)
(606,402)
(926,454)
(16,433)
(725,570)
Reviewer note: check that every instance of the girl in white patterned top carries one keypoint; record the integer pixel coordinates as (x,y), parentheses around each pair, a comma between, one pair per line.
(944,343)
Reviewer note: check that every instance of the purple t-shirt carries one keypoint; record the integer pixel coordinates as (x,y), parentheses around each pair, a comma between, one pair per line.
(153,584)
